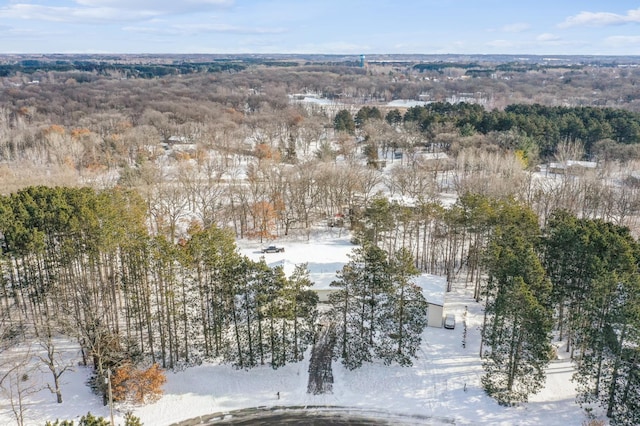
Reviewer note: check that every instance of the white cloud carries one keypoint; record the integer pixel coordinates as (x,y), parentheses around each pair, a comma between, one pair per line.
(166,6)
(518,27)
(547,37)
(599,19)
(225,28)
(31,33)
(146,3)
(542,44)
(501,44)
(107,10)
(69,14)
(622,41)
(338,47)
(191,29)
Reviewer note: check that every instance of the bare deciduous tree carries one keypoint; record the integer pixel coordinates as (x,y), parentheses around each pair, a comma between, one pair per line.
(18,380)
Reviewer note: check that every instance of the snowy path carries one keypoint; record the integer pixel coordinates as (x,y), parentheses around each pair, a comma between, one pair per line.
(320,371)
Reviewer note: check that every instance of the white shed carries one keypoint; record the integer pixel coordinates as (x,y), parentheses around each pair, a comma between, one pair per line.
(433,288)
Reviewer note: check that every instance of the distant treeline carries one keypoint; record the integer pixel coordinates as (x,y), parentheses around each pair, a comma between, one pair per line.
(546,126)
(179,67)
(147,71)
(439,66)
(474,69)
(31,66)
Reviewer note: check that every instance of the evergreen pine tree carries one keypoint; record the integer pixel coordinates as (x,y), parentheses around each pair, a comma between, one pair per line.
(406,317)
(518,319)
(343,122)
(380,313)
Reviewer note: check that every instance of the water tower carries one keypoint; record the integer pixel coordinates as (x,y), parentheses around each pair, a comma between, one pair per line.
(361,61)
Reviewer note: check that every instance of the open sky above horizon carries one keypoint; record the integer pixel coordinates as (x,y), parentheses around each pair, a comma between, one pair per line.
(543,27)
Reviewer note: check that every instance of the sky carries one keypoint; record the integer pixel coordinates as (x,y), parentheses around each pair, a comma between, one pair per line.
(542,27)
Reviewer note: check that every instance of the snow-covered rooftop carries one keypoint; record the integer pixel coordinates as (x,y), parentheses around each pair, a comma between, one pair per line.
(407,103)
(433,287)
(574,163)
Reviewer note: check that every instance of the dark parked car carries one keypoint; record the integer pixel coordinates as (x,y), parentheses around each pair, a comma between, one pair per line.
(450,321)
(273,249)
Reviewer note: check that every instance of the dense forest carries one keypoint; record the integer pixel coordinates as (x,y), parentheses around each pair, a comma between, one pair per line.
(124,196)
(30,67)
(541,128)
(82,263)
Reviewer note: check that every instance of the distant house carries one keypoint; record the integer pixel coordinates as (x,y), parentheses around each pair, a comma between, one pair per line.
(178,140)
(178,143)
(427,160)
(435,161)
(571,167)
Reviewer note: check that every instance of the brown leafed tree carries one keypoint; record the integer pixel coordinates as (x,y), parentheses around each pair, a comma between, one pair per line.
(138,386)
(264,216)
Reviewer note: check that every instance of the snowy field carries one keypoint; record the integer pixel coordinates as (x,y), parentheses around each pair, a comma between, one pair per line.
(444,382)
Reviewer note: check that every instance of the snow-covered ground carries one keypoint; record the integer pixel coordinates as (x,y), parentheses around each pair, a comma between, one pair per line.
(407,103)
(444,382)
